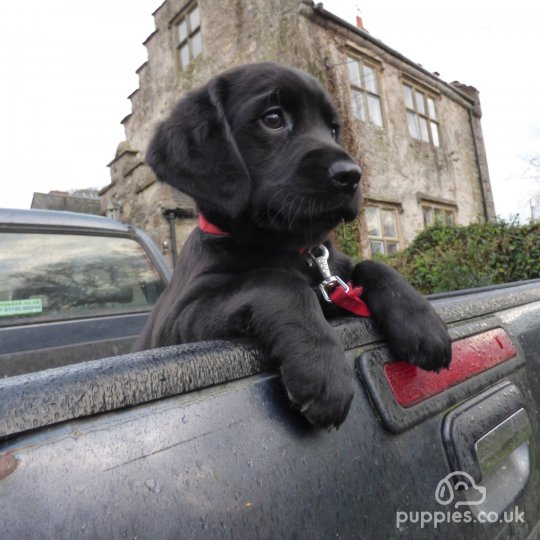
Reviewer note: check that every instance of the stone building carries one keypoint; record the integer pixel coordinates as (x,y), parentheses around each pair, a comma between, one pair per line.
(62,200)
(418,138)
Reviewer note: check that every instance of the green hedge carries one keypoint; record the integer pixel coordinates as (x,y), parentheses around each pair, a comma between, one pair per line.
(347,236)
(446,258)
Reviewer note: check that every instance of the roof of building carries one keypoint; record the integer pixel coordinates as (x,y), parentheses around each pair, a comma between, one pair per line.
(59,201)
(319,10)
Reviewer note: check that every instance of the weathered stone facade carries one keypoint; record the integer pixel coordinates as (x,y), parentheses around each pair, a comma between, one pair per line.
(62,200)
(402,172)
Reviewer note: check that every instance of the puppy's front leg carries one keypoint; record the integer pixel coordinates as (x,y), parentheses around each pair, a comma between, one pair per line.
(286,319)
(412,328)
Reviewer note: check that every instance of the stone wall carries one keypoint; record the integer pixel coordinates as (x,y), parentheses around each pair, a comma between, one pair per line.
(398,168)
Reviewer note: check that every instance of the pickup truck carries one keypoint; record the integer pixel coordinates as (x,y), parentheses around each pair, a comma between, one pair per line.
(73,287)
(199,440)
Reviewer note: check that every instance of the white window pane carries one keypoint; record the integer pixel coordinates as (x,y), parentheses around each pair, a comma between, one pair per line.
(372,221)
(428,216)
(354,72)
(358,104)
(438,215)
(408,97)
(370,79)
(413,126)
(194,19)
(184,56)
(420,102)
(392,247)
(196,44)
(431,109)
(435,133)
(449,215)
(377,247)
(182,31)
(374,108)
(424,135)
(388,221)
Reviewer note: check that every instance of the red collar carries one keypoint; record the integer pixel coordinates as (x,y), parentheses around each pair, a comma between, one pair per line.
(210,228)
(347,297)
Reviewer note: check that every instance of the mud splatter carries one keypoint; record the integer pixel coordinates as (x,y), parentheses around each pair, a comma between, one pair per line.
(8,464)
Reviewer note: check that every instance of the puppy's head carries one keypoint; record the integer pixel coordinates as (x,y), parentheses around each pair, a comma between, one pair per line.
(258,149)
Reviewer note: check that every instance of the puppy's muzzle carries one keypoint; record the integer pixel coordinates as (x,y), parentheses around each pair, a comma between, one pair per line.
(345,175)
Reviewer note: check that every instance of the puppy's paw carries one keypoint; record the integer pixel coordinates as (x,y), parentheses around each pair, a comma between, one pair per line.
(413,330)
(419,337)
(321,386)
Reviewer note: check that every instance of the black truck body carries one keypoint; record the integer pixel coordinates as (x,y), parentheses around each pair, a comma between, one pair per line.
(200,441)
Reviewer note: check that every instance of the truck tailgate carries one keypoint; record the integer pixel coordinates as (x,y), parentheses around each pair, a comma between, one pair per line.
(199,441)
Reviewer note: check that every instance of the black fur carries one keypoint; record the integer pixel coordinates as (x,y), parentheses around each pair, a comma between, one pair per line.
(258,149)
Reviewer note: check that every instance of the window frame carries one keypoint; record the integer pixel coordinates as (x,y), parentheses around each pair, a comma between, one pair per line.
(395,209)
(422,112)
(433,207)
(187,41)
(363,89)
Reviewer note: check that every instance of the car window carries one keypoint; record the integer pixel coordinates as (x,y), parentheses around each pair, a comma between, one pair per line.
(52,276)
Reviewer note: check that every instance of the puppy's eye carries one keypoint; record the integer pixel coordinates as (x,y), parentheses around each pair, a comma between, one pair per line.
(274,119)
(335,132)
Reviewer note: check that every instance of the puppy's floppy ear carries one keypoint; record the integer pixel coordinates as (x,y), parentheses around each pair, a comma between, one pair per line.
(195,151)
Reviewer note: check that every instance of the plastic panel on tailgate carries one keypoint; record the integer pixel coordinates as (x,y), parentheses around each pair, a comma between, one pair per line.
(404,395)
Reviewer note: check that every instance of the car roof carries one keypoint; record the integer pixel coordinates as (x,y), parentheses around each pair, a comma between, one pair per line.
(54,218)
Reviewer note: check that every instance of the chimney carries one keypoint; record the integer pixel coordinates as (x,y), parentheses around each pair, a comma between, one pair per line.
(359,22)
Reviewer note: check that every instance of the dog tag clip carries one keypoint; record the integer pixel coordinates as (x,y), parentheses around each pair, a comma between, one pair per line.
(329,281)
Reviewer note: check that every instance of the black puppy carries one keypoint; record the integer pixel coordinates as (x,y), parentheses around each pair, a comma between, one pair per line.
(258,149)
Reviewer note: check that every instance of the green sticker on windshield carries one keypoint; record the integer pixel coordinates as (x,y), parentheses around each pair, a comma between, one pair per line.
(12,308)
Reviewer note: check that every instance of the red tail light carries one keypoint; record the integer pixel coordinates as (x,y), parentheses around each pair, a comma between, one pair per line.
(470,356)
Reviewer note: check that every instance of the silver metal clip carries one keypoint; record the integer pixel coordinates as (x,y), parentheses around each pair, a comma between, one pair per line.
(329,281)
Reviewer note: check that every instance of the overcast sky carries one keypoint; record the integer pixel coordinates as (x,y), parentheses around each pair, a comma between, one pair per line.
(69,65)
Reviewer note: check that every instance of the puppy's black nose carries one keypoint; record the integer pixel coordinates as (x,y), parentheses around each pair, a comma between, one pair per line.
(345,174)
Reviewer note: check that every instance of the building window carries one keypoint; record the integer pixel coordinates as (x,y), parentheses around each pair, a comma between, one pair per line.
(383,231)
(365,95)
(189,36)
(438,214)
(421,115)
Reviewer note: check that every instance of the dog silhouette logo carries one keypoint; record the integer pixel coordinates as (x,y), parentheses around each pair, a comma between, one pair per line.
(447,487)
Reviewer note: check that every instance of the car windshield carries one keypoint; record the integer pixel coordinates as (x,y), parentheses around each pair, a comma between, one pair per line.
(52,276)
